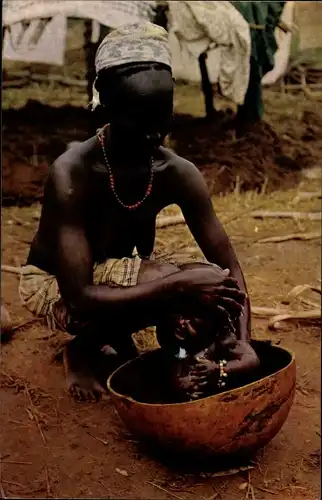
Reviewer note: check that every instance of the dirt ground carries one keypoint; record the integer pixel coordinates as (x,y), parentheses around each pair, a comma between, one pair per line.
(54,447)
(36,134)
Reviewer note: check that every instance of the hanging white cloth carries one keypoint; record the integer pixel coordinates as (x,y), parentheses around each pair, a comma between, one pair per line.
(37,41)
(215,27)
(107,12)
(36,29)
(284,41)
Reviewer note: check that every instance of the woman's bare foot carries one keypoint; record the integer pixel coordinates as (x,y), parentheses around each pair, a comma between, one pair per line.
(87,368)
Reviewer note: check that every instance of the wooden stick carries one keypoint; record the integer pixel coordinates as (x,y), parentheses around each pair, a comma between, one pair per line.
(310,303)
(299,86)
(98,439)
(15,484)
(10,269)
(14,462)
(312,314)
(266,311)
(294,236)
(105,486)
(63,80)
(254,26)
(306,196)
(250,490)
(38,77)
(47,482)
(3,495)
(170,220)
(298,289)
(266,490)
(260,214)
(280,315)
(166,491)
(232,472)
(20,82)
(32,408)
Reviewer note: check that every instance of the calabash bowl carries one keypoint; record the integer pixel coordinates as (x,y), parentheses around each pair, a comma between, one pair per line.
(235,422)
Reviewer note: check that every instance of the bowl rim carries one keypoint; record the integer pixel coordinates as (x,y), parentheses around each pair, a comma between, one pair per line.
(214,396)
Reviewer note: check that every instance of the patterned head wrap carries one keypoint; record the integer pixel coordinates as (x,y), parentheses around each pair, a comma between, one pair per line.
(132,43)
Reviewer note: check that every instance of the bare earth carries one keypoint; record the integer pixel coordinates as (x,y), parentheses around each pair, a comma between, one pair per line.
(54,447)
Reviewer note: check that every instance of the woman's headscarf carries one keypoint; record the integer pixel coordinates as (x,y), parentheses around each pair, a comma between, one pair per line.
(136,44)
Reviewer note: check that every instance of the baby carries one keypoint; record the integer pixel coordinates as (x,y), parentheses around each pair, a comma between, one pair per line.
(221,366)
(205,355)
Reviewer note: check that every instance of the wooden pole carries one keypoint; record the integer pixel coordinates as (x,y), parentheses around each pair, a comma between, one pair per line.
(3,33)
(89,53)
(206,86)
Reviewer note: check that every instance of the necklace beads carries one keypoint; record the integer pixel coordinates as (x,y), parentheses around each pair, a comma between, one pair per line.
(101,137)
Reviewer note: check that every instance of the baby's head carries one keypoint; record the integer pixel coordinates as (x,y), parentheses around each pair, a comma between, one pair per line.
(196,333)
(193,332)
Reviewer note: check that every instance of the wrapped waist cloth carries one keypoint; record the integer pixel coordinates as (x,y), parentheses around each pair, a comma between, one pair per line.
(39,290)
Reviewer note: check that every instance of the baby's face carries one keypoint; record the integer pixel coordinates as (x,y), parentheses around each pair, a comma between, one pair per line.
(193,333)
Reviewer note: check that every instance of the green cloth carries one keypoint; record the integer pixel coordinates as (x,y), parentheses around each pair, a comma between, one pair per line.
(264,47)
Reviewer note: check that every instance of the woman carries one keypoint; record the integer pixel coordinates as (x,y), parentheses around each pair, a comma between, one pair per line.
(101,200)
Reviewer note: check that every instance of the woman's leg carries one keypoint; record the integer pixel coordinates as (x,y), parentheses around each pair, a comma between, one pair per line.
(92,355)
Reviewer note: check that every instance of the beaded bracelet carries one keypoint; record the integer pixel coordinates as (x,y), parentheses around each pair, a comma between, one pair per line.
(222,373)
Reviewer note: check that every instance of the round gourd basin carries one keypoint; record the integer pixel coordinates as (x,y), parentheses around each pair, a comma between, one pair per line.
(235,422)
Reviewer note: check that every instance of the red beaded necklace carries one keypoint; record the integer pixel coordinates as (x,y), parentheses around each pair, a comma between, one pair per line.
(101,137)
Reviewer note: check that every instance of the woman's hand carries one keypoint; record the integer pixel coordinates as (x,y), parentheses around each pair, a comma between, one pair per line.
(205,288)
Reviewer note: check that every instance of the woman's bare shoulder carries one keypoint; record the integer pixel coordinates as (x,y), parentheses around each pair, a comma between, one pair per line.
(175,162)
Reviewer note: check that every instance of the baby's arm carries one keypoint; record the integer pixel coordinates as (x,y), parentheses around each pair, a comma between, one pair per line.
(243,359)
(239,358)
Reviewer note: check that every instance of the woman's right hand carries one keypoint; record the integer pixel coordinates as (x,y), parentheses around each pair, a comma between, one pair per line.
(208,287)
